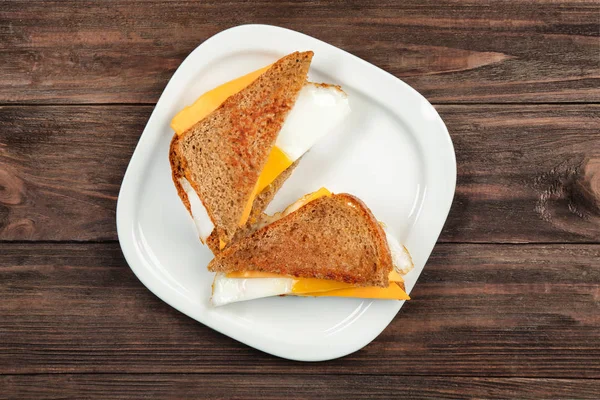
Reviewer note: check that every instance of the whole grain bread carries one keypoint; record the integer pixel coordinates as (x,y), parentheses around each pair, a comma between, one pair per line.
(223,155)
(333,237)
(259,205)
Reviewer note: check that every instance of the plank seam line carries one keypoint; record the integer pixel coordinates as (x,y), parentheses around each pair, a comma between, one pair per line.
(435,103)
(580,243)
(114,241)
(304,375)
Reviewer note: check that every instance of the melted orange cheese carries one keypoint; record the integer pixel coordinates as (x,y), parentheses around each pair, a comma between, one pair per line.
(211,100)
(325,287)
(277,162)
(392,292)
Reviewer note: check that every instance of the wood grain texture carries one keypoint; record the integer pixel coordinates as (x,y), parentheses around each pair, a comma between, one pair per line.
(477,310)
(236,386)
(61,169)
(451,51)
(491,316)
(525,173)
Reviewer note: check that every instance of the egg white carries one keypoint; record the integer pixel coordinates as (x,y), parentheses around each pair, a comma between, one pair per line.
(401,258)
(202,221)
(231,290)
(318,109)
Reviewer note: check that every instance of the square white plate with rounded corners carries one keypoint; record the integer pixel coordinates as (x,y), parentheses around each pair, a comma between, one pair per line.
(394,152)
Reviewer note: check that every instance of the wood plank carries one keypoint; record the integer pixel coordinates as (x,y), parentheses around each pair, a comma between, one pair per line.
(236,386)
(477,310)
(61,169)
(525,173)
(453,51)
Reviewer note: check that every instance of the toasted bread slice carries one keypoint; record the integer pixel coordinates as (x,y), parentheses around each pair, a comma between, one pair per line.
(258,207)
(332,237)
(223,155)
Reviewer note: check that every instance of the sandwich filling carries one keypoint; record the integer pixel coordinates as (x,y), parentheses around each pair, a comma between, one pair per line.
(318,109)
(248,285)
(235,286)
(202,221)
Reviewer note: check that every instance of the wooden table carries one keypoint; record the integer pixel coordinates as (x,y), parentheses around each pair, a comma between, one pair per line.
(509,303)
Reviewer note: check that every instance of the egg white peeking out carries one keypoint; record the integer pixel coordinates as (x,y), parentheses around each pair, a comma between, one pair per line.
(231,290)
(318,109)
(204,224)
(401,258)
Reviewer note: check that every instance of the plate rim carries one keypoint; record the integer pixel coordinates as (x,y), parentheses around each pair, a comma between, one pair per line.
(141,155)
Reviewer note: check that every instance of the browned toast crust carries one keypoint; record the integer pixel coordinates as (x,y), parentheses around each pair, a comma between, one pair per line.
(334,237)
(177,171)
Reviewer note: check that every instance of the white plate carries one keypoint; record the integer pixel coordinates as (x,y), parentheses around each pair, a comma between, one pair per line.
(394,153)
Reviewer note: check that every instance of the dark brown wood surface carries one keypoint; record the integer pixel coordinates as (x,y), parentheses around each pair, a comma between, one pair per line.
(509,303)
(526,173)
(451,51)
(478,310)
(235,386)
